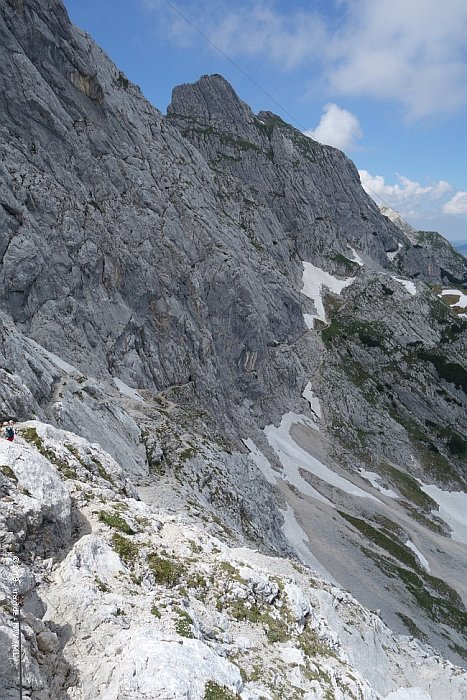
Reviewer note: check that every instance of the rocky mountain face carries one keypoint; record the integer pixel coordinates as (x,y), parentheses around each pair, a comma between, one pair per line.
(253,355)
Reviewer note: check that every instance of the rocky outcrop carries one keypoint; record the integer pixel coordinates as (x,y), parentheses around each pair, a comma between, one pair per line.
(137,603)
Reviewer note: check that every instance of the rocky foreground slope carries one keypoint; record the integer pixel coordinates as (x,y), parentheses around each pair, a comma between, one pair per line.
(124,600)
(211,298)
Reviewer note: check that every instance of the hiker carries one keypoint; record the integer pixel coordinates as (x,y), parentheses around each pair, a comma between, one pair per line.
(9,431)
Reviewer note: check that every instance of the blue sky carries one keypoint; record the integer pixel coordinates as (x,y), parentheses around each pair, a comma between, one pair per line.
(384,80)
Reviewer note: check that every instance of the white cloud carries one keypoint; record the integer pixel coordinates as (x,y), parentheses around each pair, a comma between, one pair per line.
(411,52)
(407,197)
(457,204)
(258,30)
(338,127)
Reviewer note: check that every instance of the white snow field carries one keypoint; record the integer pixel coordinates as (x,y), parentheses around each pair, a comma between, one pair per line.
(314,279)
(313,401)
(409,286)
(452,509)
(393,254)
(261,462)
(294,458)
(356,258)
(461,303)
(300,541)
(423,560)
(374,478)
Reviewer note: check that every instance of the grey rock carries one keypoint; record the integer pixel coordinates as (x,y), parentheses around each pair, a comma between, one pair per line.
(47,641)
(167,252)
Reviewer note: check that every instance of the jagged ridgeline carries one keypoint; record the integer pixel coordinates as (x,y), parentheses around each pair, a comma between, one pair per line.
(238,386)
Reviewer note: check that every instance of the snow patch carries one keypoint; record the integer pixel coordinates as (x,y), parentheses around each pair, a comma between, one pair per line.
(423,561)
(374,478)
(261,462)
(312,400)
(294,458)
(409,286)
(314,279)
(461,303)
(451,292)
(299,540)
(356,258)
(452,509)
(309,320)
(393,253)
(127,390)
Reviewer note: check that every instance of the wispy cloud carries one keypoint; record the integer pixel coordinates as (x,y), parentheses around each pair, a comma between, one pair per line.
(407,197)
(413,53)
(457,204)
(259,30)
(337,127)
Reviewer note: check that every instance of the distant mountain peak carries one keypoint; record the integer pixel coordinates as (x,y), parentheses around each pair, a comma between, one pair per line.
(397,219)
(211,98)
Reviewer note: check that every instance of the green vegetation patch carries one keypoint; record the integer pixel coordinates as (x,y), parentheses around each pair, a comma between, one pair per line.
(214,691)
(343,327)
(116,521)
(120,506)
(276,629)
(452,372)
(187,453)
(8,472)
(436,464)
(452,332)
(196,580)
(441,602)
(183,623)
(122,80)
(412,627)
(455,443)
(103,587)
(360,378)
(31,435)
(350,265)
(431,522)
(398,551)
(462,651)
(433,239)
(166,572)
(74,451)
(408,487)
(125,548)
(101,471)
(311,645)
(450,300)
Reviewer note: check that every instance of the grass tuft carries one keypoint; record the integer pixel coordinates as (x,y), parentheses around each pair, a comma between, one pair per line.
(165,571)
(125,548)
(115,521)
